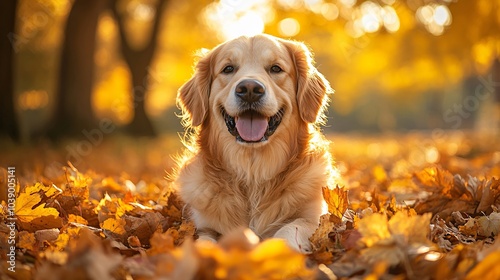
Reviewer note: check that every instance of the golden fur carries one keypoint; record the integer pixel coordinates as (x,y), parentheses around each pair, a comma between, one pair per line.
(272,187)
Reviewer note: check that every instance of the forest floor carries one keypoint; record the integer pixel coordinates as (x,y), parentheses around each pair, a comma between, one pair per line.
(416,205)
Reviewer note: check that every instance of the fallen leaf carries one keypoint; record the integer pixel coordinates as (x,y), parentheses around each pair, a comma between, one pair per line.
(488,225)
(487,269)
(32,215)
(337,201)
(116,226)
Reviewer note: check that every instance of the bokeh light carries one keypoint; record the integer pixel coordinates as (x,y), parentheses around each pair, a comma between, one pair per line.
(434,17)
(289,27)
(33,100)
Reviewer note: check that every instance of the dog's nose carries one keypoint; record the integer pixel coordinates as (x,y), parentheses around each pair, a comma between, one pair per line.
(250,90)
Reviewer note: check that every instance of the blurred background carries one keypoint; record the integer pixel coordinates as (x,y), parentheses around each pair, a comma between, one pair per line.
(69,67)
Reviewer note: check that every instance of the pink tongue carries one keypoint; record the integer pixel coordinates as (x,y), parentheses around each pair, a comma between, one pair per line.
(251,126)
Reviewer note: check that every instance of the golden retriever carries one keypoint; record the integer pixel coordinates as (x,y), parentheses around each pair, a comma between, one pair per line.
(256,157)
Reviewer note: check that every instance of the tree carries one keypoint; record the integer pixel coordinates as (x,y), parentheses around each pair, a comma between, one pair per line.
(8,120)
(138,61)
(73,112)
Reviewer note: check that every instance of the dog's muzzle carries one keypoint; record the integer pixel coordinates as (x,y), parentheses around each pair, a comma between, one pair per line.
(251,126)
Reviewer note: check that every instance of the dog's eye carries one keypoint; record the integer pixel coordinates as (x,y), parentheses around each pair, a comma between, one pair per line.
(276,69)
(228,69)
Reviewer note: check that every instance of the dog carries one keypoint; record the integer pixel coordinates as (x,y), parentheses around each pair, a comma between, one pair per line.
(255,156)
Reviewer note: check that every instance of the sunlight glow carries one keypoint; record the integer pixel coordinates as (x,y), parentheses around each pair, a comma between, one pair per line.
(391,19)
(289,27)
(234,18)
(330,11)
(141,11)
(442,15)
(370,17)
(434,17)
(370,23)
(348,3)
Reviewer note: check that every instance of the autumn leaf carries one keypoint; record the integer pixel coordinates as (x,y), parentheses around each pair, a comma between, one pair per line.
(274,259)
(161,243)
(391,241)
(77,219)
(453,193)
(488,225)
(31,214)
(379,174)
(116,226)
(27,241)
(86,254)
(435,179)
(320,238)
(487,269)
(337,202)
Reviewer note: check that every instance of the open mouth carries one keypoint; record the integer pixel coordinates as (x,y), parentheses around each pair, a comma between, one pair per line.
(251,126)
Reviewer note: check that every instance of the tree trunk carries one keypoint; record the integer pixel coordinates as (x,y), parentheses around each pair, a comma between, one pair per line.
(8,120)
(73,113)
(138,62)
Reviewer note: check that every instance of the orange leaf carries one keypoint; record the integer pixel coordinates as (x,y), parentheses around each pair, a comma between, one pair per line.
(487,269)
(337,201)
(114,225)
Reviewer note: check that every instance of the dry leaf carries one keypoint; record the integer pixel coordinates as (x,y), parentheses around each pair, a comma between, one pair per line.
(337,201)
(31,214)
(116,226)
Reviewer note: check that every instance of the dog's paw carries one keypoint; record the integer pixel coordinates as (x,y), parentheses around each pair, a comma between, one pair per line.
(297,237)
(207,238)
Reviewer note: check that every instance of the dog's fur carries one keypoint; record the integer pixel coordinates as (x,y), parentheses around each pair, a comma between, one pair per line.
(273,186)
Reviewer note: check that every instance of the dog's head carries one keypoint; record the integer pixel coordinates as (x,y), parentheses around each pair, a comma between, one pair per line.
(252,85)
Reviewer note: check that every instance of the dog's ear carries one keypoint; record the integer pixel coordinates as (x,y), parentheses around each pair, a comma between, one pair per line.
(192,97)
(312,87)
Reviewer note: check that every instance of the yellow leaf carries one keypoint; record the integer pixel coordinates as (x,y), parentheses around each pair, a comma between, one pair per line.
(49,191)
(114,225)
(373,228)
(77,219)
(414,228)
(379,173)
(32,215)
(488,268)
(274,259)
(27,240)
(336,200)
(161,243)
(25,211)
(63,239)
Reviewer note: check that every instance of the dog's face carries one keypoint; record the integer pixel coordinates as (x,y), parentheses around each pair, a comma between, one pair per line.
(251,85)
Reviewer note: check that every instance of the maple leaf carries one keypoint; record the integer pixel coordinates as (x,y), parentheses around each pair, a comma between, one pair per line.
(31,214)
(488,225)
(435,179)
(453,193)
(337,202)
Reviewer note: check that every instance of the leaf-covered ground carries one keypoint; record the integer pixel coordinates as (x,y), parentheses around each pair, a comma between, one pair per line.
(412,206)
